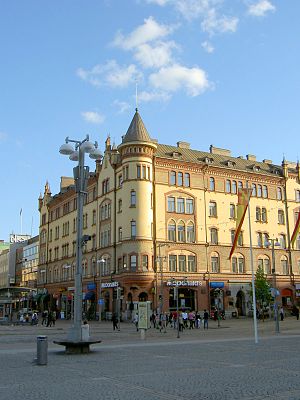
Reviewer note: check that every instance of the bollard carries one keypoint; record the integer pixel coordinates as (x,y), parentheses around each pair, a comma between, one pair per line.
(42,350)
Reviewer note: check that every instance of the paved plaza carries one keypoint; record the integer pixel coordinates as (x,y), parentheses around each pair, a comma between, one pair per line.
(220,363)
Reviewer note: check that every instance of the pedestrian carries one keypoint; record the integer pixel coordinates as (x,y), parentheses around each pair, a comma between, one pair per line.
(180,322)
(295,311)
(136,321)
(281,312)
(34,319)
(205,318)
(115,322)
(153,320)
(53,317)
(21,318)
(163,322)
(85,331)
(44,317)
(49,319)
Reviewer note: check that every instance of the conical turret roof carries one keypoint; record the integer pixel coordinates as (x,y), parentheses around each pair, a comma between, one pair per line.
(136,131)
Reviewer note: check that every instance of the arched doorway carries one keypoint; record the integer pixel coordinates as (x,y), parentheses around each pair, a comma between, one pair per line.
(143,296)
(240,303)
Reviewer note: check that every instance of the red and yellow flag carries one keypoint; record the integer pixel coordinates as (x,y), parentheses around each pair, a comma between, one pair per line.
(243,202)
(296,230)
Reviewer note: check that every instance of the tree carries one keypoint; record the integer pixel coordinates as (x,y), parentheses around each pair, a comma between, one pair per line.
(262,289)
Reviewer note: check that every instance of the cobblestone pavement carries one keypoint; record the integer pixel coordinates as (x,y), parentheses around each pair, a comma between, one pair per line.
(221,363)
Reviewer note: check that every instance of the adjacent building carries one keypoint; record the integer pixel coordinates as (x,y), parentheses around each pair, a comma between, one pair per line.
(161,216)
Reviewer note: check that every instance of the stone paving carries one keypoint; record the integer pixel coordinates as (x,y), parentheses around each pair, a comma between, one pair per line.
(220,363)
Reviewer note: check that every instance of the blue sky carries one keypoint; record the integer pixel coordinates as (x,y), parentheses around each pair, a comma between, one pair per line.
(221,72)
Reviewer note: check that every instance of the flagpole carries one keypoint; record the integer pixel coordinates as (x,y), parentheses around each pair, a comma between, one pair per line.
(253,282)
(21,222)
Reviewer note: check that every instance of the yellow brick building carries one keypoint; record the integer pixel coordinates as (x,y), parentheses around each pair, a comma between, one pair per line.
(160,215)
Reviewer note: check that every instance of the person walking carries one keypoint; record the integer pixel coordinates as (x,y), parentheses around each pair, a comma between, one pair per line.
(49,319)
(281,312)
(115,322)
(163,322)
(205,319)
(136,321)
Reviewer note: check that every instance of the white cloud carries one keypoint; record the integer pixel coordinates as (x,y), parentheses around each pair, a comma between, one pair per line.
(214,24)
(148,32)
(93,117)
(146,97)
(155,56)
(193,9)
(111,74)
(177,77)
(208,47)
(158,2)
(261,8)
(123,106)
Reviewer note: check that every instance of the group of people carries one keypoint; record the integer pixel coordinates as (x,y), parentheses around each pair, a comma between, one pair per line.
(48,318)
(184,320)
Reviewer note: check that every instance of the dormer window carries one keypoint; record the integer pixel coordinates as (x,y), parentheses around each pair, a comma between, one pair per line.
(208,160)
(176,154)
(230,163)
(256,168)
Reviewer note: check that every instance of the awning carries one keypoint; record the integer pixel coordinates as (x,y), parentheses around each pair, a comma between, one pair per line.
(37,297)
(89,296)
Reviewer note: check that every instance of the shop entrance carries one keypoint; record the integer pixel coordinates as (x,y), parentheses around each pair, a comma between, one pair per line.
(186,300)
(240,303)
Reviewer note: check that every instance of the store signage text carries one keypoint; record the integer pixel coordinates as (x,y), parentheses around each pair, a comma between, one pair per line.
(184,283)
(109,284)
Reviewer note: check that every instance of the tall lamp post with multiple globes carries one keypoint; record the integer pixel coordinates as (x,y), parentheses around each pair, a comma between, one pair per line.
(274,292)
(81,175)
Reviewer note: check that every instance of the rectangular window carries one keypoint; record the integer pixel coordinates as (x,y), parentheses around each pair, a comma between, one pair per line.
(120,234)
(191,264)
(133,263)
(189,206)
(215,264)
(212,209)
(171,204)
(172,232)
(281,217)
(148,174)
(181,263)
(213,236)
(264,214)
(284,267)
(232,211)
(172,263)
(133,229)
(258,214)
(180,179)
(180,205)
(138,172)
(133,198)
(145,262)
(240,265)
(228,186)
(144,172)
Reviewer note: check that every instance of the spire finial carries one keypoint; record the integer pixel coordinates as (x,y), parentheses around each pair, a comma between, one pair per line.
(136,94)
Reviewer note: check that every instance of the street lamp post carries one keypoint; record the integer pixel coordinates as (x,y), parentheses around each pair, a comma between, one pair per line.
(81,174)
(273,243)
(100,262)
(160,260)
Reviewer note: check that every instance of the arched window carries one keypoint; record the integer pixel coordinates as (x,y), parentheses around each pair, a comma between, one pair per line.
(265,191)
(172,231)
(180,179)
(172,178)
(259,191)
(234,187)
(84,268)
(181,232)
(254,190)
(187,180)
(240,185)
(212,184)
(190,232)
(228,186)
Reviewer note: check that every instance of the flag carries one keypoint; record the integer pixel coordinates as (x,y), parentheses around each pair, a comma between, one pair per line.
(243,202)
(296,230)
(21,212)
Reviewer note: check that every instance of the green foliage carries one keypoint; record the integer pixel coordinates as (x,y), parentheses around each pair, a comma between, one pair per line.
(262,288)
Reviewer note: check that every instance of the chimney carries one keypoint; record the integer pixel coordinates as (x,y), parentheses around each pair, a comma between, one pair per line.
(251,157)
(183,145)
